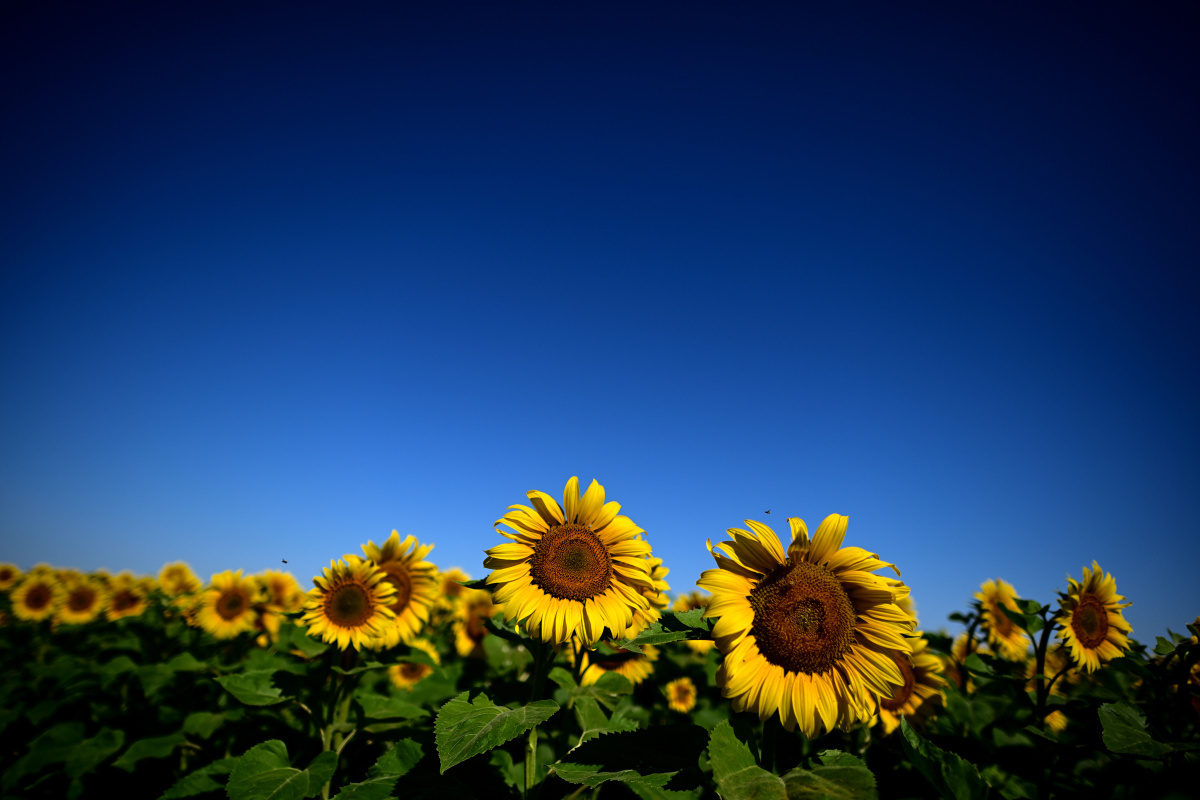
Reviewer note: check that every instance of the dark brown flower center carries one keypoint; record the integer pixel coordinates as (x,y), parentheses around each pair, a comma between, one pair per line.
(803,618)
(124,600)
(398,576)
(682,693)
(348,605)
(474,627)
(900,694)
(1000,621)
(570,562)
(6,574)
(617,659)
(38,597)
(81,599)
(1090,622)
(231,605)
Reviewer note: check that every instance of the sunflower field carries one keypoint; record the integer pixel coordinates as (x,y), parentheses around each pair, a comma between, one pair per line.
(572,671)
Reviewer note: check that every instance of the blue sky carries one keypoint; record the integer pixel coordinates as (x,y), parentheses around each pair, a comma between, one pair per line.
(277,280)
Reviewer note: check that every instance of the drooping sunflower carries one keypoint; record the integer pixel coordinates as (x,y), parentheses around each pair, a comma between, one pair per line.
(37,597)
(84,599)
(475,606)
(128,596)
(1092,624)
(634,666)
(415,585)
(9,575)
(1009,640)
(681,695)
(350,604)
(807,634)
(408,674)
(282,591)
(922,693)
(178,578)
(690,602)
(227,607)
(573,571)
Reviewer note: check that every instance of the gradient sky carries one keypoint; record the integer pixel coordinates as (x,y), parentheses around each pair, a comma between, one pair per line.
(279,278)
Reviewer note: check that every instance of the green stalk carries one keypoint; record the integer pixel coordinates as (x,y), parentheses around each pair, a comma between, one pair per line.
(537,679)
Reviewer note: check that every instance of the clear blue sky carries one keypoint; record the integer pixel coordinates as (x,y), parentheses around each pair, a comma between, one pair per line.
(278,279)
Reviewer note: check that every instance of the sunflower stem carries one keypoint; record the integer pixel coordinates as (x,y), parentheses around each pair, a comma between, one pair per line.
(1043,692)
(531,761)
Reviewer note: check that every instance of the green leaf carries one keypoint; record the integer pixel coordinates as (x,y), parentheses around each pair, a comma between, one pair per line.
(266,661)
(977,665)
(55,745)
(1163,647)
(200,781)
(837,758)
(646,758)
(1018,619)
(156,747)
(831,781)
(594,722)
(954,777)
(479,584)
(382,706)
(564,679)
(186,662)
(367,666)
(467,728)
(297,638)
(1030,607)
(91,753)
(1125,731)
(154,677)
(503,632)
(737,775)
(264,773)
(202,723)
(252,688)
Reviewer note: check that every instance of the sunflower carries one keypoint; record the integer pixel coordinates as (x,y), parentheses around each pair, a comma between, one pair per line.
(475,606)
(572,572)
(128,596)
(656,596)
(690,602)
(415,585)
(952,665)
(1090,615)
(85,599)
(807,633)
(1057,661)
(634,666)
(1009,640)
(226,608)
(923,690)
(350,604)
(282,591)
(37,597)
(681,695)
(408,674)
(9,575)
(451,588)
(178,578)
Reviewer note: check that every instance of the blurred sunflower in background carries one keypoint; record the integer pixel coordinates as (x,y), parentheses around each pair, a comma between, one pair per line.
(282,590)
(634,666)
(922,692)
(1093,627)
(408,674)
(952,665)
(681,695)
(573,571)
(226,608)
(178,578)
(37,597)
(474,606)
(690,602)
(1009,640)
(807,634)
(84,599)
(350,604)
(9,575)
(415,585)
(1057,661)
(128,596)
(656,596)
(451,584)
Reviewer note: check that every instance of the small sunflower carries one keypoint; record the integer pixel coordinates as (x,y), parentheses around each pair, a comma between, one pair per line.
(809,633)
(282,591)
(128,596)
(681,695)
(451,588)
(178,578)
(350,604)
(415,583)
(634,666)
(1009,640)
(690,602)
(573,572)
(475,606)
(227,607)
(923,691)
(9,575)
(407,674)
(37,597)
(1090,615)
(84,599)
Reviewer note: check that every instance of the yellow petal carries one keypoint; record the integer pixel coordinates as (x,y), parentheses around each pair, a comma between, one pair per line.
(571,499)
(547,507)
(828,538)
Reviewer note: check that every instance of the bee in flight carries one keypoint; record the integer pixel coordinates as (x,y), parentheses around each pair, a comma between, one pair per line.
(284,560)
(768,511)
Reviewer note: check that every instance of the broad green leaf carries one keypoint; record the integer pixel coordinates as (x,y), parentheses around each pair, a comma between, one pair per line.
(831,782)
(186,662)
(563,678)
(974,663)
(954,777)
(467,728)
(51,747)
(1163,647)
(478,584)
(252,688)
(264,773)
(200,781)
(382,706)
(367,666)
(266,661)
(91,753)
(1022,621)
(650,758)
(1030,607)
(156,747)
(839,758)
(591,775)
(737,775)
(296,638)
(594,722)
(154,677)
(110,671)
(503,632)
(202,723)
(1125,731)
